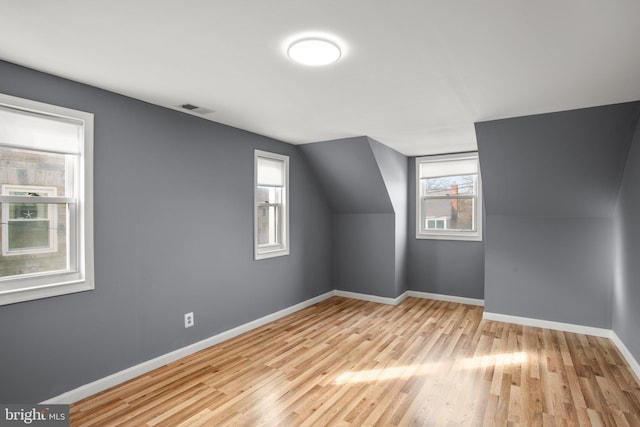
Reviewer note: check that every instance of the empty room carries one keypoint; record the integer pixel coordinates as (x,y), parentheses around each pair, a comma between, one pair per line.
(323,213)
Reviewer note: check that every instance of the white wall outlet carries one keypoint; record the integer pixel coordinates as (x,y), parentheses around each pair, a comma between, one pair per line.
(189,320)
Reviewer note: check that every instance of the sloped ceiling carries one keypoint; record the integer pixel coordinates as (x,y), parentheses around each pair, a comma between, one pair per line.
(350,176)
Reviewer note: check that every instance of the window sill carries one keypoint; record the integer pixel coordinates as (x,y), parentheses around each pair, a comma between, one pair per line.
(265,254)
(469,237)
(13,296)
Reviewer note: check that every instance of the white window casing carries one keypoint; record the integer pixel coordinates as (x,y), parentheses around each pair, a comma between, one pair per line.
(449,197)
(271,205)
(33,130)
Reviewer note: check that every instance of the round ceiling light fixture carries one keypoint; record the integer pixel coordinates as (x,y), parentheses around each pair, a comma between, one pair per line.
(314,51)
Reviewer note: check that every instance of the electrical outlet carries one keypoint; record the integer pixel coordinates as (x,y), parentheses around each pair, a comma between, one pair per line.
(189,320)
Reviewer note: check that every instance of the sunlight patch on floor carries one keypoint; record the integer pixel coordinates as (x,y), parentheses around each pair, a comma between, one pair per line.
(398,372)
(387,373)
(501,359)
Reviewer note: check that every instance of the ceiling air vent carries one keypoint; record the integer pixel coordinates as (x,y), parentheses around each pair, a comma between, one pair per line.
(195,109)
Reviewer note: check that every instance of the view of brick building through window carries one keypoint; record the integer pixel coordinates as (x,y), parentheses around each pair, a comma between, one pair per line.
(33,235)
(449,202)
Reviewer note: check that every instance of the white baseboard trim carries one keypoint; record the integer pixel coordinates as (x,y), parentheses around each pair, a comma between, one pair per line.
(144,367)
(449,298)
(548,324)
(633,363)
(372,298)
(149,365)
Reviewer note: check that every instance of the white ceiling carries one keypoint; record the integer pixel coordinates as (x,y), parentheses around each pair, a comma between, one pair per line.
(415,75)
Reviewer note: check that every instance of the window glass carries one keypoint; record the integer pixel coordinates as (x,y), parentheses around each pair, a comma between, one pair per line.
(271,207)
(45,200)
(33,228)
(448,197)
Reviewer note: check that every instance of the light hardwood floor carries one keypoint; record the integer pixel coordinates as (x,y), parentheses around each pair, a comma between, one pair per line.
(346,362)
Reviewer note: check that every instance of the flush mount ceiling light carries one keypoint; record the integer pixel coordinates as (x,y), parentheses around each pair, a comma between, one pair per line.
(314,51)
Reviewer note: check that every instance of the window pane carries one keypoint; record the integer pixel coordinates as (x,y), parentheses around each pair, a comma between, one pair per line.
(28,235)
(20,168)
(34,245)
(449,185)
(268,194)
(448,214)
(268,225)
(28,211)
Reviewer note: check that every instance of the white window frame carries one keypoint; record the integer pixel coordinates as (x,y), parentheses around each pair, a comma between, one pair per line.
(79,275)
(52,217)
(437,234)
(271,250)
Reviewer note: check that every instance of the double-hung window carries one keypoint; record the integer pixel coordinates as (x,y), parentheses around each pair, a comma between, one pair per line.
(449,197)
(46,161)
(271,205)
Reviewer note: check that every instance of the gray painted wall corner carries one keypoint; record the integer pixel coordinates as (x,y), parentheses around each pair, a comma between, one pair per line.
(626,296)
(365,183)
(550,187)
(394,168)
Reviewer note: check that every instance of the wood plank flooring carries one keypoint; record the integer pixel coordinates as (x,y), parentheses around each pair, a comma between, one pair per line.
(345,362)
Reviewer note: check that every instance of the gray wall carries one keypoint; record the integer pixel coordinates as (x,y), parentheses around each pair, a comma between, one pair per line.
(365,183)
(557,269)
(626,299)
(173,234)
(443,267)
(364,253)
(550,184)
